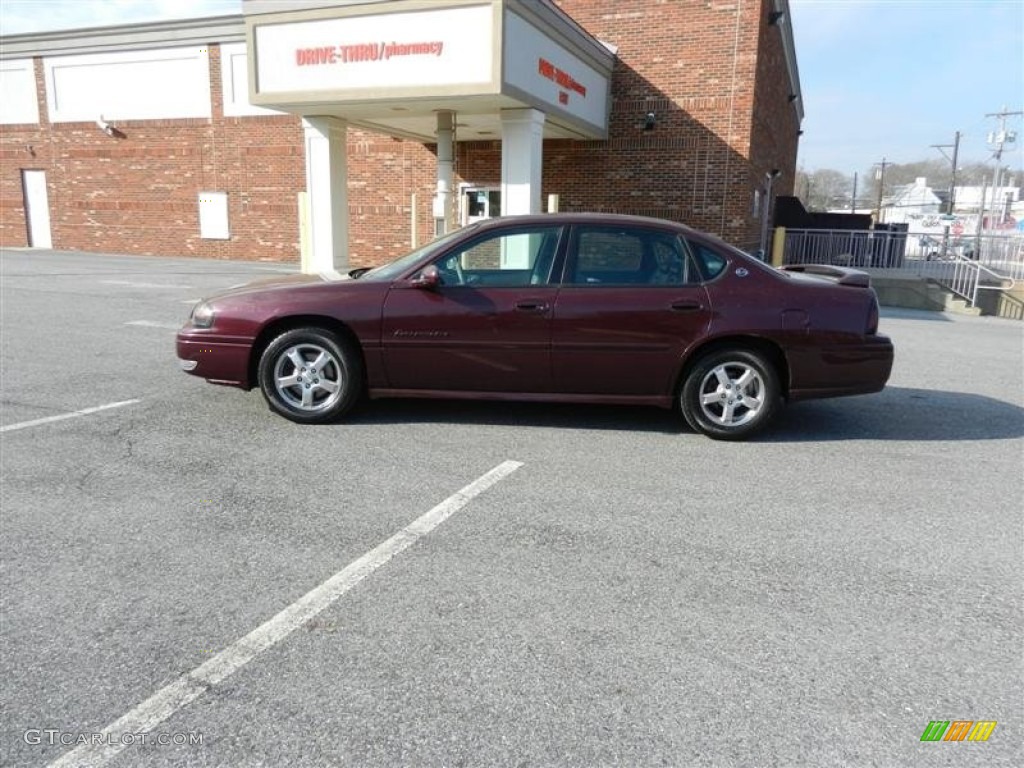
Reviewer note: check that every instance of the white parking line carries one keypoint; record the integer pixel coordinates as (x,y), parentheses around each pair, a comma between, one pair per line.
(154,324)
(132,284)
(62,416)
(169,699)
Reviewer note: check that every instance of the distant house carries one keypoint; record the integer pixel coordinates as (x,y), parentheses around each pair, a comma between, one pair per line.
(915,204)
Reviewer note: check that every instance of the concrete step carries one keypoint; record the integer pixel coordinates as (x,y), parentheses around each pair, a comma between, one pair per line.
(959,306)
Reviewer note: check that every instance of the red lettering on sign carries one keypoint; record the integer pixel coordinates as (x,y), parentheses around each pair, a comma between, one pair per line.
(548,70)
(331,54)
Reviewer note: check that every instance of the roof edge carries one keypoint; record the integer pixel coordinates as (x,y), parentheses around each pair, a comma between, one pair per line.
(120,37)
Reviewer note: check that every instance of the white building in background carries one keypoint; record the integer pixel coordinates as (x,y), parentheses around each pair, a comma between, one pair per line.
(919,207)
(1004,208)
(910,204)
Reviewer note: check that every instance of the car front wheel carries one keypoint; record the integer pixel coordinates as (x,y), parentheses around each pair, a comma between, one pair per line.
(309,375)
(730,394)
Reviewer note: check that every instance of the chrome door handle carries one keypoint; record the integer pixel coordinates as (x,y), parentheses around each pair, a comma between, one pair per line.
(532,305)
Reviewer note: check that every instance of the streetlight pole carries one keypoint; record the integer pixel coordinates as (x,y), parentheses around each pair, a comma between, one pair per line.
(769,180)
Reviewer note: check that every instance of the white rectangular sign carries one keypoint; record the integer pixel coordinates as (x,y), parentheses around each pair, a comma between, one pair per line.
(399,50)
(539,66)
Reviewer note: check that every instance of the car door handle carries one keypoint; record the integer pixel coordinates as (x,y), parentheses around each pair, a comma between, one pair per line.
(532,305)
(686,306)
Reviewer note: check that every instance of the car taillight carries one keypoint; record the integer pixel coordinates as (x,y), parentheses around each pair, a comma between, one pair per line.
(873,315)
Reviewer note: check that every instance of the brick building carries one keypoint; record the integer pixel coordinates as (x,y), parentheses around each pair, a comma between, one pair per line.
(184,157)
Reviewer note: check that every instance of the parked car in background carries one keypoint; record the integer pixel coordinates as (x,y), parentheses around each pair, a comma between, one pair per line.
(557,307)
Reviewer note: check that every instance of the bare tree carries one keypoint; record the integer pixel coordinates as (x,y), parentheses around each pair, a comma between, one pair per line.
(824,189)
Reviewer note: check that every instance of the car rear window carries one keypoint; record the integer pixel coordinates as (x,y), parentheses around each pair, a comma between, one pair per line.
(627,256)
(710,263)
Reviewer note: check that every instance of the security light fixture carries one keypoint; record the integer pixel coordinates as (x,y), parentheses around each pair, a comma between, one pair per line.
(649,121)
(775,18)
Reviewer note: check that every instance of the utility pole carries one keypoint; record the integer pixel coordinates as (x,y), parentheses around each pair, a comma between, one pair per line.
(880,175)
(999,138)
(955,146)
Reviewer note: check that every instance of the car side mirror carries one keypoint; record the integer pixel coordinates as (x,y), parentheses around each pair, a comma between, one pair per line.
(428,278)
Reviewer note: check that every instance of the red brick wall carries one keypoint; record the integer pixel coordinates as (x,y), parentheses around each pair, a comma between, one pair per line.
(139,193)
(711,70)
(692,63)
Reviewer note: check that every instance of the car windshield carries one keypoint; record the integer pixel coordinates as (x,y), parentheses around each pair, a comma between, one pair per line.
(393,269)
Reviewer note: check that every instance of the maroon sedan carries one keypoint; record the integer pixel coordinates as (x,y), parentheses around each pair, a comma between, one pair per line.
(559,307)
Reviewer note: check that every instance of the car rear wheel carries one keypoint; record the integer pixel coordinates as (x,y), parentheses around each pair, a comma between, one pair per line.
(309,375)
(730,394)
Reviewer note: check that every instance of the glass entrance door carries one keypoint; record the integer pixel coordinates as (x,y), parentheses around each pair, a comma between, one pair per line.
(480,203)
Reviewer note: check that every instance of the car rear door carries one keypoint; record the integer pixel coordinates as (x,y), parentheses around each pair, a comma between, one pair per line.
(487,326)
(631,303)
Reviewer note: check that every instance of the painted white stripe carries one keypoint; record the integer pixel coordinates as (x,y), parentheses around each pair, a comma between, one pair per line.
(153,324)
(287,270)
(169,699)
(191,301)
(63,416)
(132,284)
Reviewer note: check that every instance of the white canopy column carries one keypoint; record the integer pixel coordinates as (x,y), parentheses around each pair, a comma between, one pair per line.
(522,152)
(327,187)
(445,172)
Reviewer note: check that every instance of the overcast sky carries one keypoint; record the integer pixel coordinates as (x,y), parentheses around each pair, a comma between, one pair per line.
(880,78)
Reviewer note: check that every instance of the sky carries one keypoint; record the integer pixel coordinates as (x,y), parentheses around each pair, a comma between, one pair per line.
(879,78)
(889,78)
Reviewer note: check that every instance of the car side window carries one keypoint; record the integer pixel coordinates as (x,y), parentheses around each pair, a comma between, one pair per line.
(502,259)
(623,256)
(710,263)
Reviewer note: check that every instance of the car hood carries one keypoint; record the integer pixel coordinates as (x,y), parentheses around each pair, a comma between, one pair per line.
(284,282)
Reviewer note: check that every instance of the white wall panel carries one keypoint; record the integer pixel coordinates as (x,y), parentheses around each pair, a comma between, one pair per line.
(18,92)
(213,216)
(129,85)
(234,72)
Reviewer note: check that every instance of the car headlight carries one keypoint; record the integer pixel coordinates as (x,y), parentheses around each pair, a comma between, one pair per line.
(202,315)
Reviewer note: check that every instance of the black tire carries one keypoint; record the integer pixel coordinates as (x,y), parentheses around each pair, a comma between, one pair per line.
(310,375)
(730,394)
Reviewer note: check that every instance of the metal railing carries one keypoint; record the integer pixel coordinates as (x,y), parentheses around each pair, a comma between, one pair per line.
(964,265)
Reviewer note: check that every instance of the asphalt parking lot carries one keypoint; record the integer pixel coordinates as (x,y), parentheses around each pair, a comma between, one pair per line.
(623,593)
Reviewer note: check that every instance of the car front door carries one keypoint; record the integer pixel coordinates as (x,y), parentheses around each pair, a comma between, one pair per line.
(486,327)
(631,303)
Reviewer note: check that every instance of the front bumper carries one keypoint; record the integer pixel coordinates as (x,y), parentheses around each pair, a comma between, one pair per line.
(219,359)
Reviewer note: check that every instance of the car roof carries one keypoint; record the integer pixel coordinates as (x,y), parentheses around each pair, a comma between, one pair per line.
(561,219)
